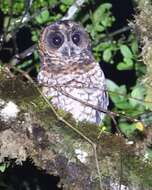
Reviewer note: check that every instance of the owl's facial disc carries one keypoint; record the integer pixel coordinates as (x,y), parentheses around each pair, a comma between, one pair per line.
(66,41)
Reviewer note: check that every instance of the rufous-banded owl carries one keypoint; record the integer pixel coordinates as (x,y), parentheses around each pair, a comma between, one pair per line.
(69,73)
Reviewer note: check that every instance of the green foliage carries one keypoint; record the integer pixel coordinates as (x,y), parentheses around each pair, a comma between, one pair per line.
(107,48)
(106,45)
(43,17)
(127,129)
(42,3)
(127,103)
(18,6)
(4,166)
(127,58)
(101,19)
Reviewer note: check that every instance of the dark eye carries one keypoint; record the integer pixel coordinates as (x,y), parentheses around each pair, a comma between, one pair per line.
(76,38)
(55,39)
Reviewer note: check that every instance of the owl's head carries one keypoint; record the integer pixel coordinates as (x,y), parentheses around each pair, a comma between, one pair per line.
(65,42)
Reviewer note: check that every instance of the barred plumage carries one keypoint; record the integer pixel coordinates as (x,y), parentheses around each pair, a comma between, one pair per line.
(69,73)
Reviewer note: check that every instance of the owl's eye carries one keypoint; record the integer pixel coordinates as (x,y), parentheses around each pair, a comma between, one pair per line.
(55,39)
(76,38)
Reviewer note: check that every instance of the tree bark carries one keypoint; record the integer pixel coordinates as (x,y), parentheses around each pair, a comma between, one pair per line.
(143,29)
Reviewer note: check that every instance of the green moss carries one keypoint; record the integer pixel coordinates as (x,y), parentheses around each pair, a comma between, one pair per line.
(90,130)
(139,172)
(16,89)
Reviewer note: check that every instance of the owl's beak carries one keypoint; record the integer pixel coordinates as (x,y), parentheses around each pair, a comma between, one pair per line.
(69,52)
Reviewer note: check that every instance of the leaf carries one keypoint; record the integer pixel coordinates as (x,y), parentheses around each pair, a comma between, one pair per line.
(126,65)
(98,14)
(67,2)
(138,92)
(2,167)
(118,94)
(99,28)
(124,105)
(102,17)
(139,126)
(127,129)
(126,51)
(43,17)
(112,86)
(103,46)
(134,46)
(107,21)
(35,36)
(107,55)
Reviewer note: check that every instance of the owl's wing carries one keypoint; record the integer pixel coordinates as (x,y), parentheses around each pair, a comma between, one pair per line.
(103,102)
(102,98)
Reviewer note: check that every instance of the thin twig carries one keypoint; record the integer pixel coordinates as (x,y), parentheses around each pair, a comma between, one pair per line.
(73,9)
(29,18)
(109,91)
(28,4)
(121,171)
(111,35)
(119,31)
(24,16)
(110,113)
(18,57)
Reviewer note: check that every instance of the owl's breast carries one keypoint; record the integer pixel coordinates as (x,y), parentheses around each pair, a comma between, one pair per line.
(74,100)
(72,93)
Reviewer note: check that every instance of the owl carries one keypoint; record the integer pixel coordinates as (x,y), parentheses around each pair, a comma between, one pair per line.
(69,73)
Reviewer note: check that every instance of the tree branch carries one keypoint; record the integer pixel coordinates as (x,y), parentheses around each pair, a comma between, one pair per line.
(73,9)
